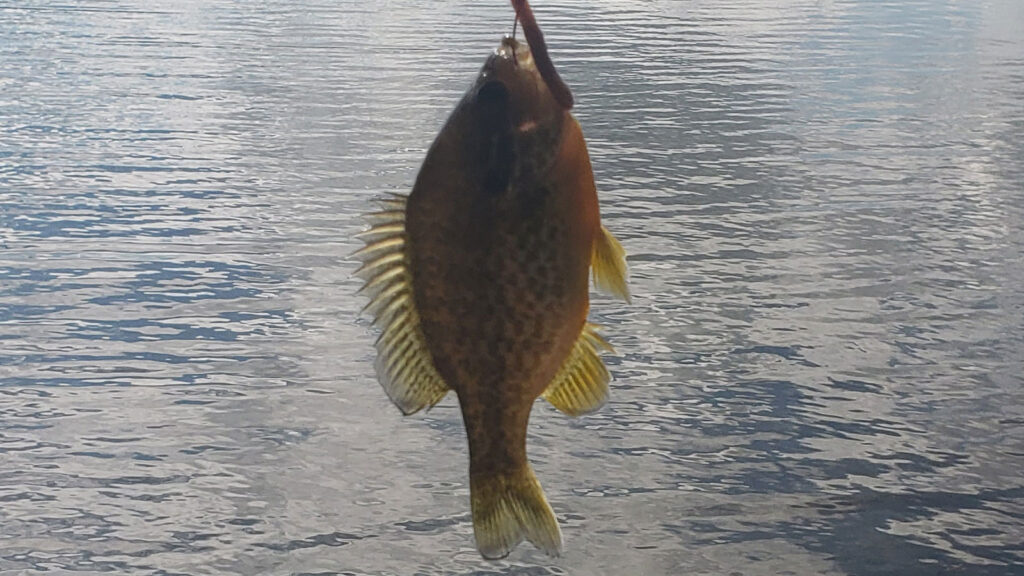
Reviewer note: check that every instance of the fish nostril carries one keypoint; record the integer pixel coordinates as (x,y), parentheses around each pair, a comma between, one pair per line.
(493,92)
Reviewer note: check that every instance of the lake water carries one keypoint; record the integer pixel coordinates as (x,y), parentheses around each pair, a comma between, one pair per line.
(820,373)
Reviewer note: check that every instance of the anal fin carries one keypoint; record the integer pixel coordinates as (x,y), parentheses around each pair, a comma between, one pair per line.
(609,264)
(581,385)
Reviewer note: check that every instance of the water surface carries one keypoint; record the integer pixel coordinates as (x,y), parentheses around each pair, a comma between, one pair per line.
(820,373)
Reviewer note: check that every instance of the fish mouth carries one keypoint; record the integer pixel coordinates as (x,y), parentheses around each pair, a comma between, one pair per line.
(531,55)
(508,63)
(515,51)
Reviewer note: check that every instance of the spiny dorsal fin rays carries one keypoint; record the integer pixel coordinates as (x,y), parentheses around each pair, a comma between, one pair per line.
(386,216)
(609,264)
(581,385)
(382,231)
(385,245)
(372,267)
(381,282)
(404,366)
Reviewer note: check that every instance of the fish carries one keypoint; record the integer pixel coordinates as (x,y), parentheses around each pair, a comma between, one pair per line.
(478,281)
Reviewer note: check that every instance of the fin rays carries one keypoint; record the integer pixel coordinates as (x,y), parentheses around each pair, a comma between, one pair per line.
(507,508)
(581,385)
(609,265)
(404,366)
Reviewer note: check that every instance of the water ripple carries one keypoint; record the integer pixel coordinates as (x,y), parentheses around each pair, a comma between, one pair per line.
(820,372)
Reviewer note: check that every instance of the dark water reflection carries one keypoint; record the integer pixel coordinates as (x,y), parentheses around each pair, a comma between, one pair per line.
(820,372)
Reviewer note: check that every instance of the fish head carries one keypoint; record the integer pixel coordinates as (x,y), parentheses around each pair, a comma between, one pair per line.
(511,80)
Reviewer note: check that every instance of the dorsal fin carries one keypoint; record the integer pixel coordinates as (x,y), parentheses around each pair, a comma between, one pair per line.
(609,264)
(581,385)
(404,365)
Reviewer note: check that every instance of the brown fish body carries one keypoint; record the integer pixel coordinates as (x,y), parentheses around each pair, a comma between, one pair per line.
(501,272)
(500,254)
(480,284)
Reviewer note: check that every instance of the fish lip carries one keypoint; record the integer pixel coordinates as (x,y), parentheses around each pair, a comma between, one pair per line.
(510,50)
(509,42)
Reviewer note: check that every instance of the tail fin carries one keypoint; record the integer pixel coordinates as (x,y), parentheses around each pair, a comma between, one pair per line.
(508,507)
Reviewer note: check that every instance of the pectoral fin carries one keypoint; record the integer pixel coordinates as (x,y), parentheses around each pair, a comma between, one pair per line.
(609,264)
(581,385)
(404,365)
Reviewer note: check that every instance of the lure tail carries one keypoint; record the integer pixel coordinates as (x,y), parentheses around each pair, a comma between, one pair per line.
(508,507)
(539,49)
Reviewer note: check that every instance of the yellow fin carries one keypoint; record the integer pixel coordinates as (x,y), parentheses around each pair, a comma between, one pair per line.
(404,365)
(609,264)
(581,385)
(508,507)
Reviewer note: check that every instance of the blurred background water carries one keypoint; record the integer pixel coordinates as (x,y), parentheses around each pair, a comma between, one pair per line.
(821,371)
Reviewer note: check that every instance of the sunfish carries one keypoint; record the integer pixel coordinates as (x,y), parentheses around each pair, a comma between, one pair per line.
(478,281)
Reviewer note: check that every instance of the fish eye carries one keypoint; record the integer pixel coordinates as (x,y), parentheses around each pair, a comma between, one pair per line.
(492,92)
